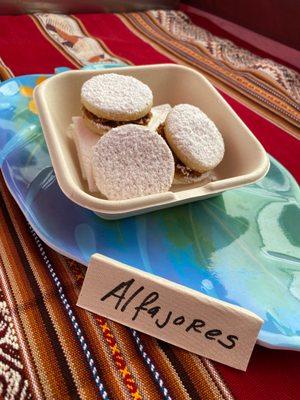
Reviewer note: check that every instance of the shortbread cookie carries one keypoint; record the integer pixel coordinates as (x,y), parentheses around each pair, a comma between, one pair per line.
(194,138)
(183,174)
(84,141)
(112,100)
(158,116)
(132,161)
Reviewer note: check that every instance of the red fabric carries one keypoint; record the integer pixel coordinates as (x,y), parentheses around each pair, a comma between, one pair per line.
(284,147)
(25,50)
(272,374)
(121,40)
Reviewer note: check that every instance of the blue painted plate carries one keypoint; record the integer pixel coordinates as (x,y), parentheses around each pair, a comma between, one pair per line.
(241,247)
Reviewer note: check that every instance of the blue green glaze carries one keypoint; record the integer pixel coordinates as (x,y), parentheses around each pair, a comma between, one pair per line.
(241,247)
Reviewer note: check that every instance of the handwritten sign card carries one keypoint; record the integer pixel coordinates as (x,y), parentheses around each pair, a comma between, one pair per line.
(170,312)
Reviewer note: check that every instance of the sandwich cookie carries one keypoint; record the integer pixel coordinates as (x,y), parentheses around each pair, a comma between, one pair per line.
(132,161)
(194,138)
(183,174)
(110,100)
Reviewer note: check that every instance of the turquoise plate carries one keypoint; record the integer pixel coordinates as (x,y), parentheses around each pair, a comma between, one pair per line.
(241,247)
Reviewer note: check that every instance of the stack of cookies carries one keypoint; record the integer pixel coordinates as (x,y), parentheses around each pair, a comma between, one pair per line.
(127,148)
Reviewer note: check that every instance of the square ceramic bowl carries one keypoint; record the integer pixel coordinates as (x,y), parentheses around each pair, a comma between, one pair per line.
(58,100)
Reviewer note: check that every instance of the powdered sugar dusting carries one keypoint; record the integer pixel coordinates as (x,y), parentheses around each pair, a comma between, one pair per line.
(132,161)
(117,97)
(194,138)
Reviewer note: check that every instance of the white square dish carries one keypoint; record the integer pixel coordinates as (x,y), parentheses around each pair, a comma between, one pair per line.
(58,100)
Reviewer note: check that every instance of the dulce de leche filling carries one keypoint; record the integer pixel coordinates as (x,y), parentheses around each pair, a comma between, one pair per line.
(113,124)
(180,168)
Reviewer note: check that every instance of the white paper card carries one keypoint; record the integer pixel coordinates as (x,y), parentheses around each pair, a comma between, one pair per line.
(171,312)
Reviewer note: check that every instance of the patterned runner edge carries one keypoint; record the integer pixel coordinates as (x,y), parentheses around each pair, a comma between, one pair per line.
(69,36)
(268,87)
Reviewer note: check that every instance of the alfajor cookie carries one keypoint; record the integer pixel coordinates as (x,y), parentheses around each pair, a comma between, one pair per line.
(84,140)
(132,161)
(158,116)
(184,175)
(110,100)
(194,138)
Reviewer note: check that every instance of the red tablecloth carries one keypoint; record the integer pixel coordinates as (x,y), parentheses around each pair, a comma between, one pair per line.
(48,358)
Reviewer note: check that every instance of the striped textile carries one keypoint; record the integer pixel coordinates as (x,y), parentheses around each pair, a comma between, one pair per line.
(57,350)
(51,349)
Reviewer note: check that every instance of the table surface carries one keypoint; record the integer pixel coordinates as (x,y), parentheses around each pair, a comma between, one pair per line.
(51,349)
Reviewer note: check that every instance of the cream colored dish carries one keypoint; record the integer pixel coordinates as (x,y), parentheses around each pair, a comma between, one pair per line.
(58,100)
